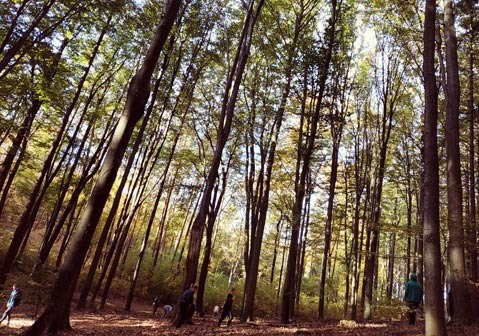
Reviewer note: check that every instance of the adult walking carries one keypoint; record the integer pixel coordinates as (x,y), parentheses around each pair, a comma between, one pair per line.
(228,308)
(413,297)
(13,301)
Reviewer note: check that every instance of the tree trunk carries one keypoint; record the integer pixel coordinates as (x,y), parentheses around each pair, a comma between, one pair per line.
(224,127)
(457,271)
(392,242)
(390,85)
(290,276)
(261,208)
(212,215)
(57,313)
(17,45)
(434,304)
(473,275)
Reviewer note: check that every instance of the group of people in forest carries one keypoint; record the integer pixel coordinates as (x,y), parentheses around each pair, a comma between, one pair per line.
(413,297)
(187,307)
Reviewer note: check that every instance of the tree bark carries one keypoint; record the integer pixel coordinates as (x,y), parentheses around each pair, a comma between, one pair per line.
(434,304)
(456,260)
(260,208)
(473,275)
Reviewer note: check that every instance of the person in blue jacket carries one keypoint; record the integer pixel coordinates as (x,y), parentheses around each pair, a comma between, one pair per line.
(13,301)
(413,297)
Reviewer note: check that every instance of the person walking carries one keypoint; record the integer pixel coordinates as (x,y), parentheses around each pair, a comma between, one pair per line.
(413,297)
(187,307)
(156,304)
(227,308)
(13,301)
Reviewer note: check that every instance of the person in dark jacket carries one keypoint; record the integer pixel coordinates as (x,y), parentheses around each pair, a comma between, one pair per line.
(228,308)
(187,308)
(156,304)
(13,301)
(413,297)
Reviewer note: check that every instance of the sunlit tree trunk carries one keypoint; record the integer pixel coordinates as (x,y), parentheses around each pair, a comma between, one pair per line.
(260,209)
(390,85)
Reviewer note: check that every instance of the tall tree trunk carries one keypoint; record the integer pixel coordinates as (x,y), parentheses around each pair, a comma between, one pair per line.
(360,169)
(18,44)
(22,135)
(434,304)
(81,303)
(261,209)
(290,276)
(212,216)
(390,91)
(392,242)
(57,313)
(224,127)
(160,192)
(457,269)
(473,275)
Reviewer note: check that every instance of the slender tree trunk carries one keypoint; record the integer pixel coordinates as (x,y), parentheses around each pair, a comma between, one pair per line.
(212,215)
(226,118)
(118,195)
(276,245)
(57,313)
(434,304)
(17,45)
(157,201)
(329,218)
(473,275)
(390,90)
(457,271)
(392,242)
(290,276)
(22,135)
(359,177)
(263,198)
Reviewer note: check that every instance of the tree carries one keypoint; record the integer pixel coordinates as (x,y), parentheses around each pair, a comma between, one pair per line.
(303,168)
(457,267)
(57,313)
(434,304)
(224,127)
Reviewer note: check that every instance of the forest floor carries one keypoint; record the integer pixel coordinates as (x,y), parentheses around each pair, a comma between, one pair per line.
(115,321)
